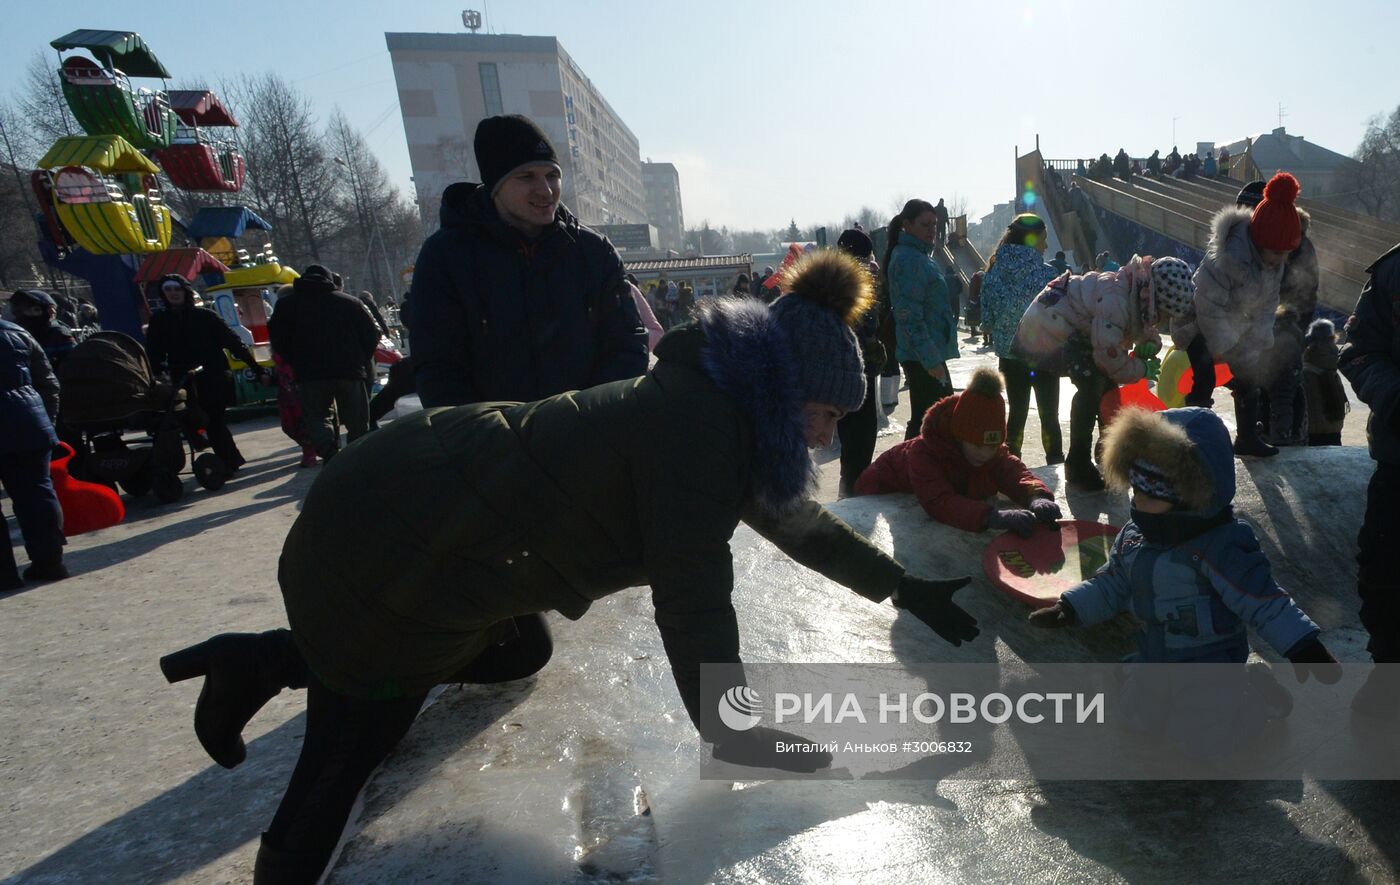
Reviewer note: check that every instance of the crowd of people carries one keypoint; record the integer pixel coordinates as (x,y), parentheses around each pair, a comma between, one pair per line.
(580,436)
(1174,165)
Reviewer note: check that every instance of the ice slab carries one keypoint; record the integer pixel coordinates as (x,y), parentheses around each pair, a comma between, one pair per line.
(589,772)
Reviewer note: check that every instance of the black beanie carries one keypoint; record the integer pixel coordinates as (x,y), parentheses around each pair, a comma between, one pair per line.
(856,244)
(1251,195)
(504,144)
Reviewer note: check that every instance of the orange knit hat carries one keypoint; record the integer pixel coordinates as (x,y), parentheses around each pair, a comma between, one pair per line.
(979,415)
(1275,223)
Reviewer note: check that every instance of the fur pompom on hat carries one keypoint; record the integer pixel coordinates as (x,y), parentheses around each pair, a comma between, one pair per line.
(1172,287)
(826,293)
(1275,224)
(979,415)
(1321,331)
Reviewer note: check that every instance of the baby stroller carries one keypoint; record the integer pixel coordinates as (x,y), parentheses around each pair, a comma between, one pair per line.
(107,388)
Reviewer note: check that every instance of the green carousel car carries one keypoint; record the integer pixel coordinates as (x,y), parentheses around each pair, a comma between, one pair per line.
(100,93)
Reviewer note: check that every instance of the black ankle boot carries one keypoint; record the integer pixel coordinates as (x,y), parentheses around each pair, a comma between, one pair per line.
(1247,438)
(278,866)
(1081,473)
(242,672)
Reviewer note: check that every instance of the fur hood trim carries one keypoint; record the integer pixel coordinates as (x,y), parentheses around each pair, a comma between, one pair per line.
(1191,446)
(1229,248)
(749,358)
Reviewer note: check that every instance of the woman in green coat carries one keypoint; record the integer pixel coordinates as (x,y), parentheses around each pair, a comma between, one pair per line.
(498,512)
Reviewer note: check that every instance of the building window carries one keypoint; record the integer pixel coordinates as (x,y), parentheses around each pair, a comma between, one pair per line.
(490,88)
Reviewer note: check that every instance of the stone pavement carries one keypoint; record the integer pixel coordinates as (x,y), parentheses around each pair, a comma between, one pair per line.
(102,779)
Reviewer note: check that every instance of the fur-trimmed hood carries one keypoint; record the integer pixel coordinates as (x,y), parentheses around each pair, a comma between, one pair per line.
(1190,446)
(1230,248)
(748,357)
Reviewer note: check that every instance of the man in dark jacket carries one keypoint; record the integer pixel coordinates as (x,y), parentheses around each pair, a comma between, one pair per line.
(37,312)
(183,337)
(1371,362)
(513,298)
(28,407)
(329,338)
(504,509)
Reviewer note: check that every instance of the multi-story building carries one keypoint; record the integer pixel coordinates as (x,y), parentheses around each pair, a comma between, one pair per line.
(662,185)
(448,82)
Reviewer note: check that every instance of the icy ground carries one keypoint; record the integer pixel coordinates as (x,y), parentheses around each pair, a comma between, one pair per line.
(589,772)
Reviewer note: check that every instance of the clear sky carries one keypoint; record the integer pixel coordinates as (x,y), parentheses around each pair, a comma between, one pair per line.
(775,110)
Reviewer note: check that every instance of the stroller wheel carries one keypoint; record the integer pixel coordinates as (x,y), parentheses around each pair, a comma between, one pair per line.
(139,483)
(210,471)
(167,487)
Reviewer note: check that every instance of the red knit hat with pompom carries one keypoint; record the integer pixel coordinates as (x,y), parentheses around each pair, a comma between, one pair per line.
(979,413)
(1275,224)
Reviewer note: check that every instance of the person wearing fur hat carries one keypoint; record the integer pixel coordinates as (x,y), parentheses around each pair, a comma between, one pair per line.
(1322,385)
(1101,329)
(1188,568)
(1371,362)
(926,335)
(1016,273)
(1237,293)
(503,511)
(960,460)
(183,337)
(514,298)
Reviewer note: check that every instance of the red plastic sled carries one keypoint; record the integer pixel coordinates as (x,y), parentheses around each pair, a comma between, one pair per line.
(87,506)
(1136,394)
(1222,377)
(1036,570)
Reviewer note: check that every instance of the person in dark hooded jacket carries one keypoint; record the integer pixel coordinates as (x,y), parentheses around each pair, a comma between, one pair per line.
(28,408)
(513,298)
(37,312)
(183,337)
(328,338)
(501,510)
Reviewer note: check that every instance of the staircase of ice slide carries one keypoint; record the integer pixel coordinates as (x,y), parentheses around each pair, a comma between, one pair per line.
(1182,213)
(963,256)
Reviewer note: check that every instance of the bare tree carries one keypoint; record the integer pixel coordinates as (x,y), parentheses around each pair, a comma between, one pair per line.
(291,178)
(43,108)
(1374,180)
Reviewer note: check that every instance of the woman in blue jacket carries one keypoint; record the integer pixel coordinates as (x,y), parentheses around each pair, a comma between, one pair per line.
(925,329)
(1015,274)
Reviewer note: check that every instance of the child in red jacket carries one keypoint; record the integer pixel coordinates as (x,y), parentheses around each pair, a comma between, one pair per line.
(959,460)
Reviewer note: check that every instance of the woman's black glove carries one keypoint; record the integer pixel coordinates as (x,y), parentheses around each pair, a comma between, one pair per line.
(932,602)
(759,747)
(1311,657)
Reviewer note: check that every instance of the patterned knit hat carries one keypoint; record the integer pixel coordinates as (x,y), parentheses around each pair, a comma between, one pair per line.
(1172,288)
(1148,479)
(979,414)
(1274,224)
(826,290)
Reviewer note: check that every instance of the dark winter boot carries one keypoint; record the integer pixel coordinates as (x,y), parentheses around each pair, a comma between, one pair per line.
(53,570)
(242,672)
(1082,474)
(1248,442)
(277,866)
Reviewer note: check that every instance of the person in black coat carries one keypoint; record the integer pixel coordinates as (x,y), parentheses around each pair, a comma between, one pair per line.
(329,339)
(513,298)
(183,337)
(28,407)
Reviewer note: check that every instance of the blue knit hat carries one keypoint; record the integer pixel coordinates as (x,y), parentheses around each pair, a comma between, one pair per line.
(826,291)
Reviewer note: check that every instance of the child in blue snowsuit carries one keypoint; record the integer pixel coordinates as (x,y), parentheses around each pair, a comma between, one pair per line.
(1196,578)
(1191,572)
